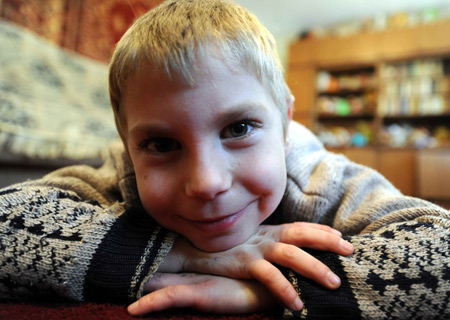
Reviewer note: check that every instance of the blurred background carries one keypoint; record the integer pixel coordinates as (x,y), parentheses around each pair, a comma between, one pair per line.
(371,79)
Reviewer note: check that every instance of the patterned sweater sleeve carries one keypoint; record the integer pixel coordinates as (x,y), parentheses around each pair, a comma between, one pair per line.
(72,235)
(401,265)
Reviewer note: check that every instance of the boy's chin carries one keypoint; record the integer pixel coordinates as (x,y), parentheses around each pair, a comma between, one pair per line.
(221,243)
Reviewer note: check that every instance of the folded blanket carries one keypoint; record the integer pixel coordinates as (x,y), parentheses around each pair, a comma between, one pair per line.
(54,103)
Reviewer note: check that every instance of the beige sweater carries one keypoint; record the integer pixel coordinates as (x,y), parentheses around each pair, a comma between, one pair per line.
(81,233)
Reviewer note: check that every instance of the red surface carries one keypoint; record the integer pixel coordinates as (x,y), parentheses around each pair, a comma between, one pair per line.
(41,311)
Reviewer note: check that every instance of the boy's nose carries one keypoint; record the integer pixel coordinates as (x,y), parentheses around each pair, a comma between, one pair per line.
(208,177)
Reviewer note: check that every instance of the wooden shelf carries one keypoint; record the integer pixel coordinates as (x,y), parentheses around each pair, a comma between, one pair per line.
(371,53)
(417,116)
(347,92)
(367,48)
(360,116)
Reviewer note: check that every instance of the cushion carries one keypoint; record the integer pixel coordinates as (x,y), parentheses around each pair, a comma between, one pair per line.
(54,104)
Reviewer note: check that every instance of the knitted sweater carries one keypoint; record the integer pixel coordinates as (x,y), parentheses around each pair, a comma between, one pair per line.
(81,233)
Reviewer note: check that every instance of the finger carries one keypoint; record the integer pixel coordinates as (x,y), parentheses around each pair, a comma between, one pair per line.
(304,264)
(316,238)
(274,280)
(162,280)
(177,296)
(316,226)
(207,294)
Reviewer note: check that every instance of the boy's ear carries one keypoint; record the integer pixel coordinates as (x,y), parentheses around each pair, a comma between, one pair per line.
(290,111)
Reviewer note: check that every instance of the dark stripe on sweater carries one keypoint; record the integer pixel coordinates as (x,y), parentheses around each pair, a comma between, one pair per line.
(114,263)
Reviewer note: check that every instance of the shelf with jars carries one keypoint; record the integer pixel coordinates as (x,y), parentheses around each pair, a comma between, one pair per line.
(381,104)
(414,103)
(407,105)
(345,106)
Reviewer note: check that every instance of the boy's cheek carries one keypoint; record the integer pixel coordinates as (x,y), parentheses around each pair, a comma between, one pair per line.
(152,193)
(268,175)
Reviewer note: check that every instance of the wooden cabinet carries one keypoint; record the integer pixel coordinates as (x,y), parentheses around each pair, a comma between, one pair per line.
(366,156)
(370,47)
(302,84)
(391,94)
(397,165)
(433,174)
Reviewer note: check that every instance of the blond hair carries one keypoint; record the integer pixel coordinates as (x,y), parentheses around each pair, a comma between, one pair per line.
(174,34)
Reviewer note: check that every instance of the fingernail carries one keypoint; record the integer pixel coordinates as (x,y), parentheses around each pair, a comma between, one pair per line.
(333,279)
(345,245)
(298,304)
(336,232)
(133,307)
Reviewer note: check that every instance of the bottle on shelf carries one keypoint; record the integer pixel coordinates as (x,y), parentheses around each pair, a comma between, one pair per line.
(418,87)
(408,107)
(345,107)
(414,104)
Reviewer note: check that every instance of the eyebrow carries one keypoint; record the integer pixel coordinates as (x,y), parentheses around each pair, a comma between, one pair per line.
(154,129)
(242,109)
(232,113)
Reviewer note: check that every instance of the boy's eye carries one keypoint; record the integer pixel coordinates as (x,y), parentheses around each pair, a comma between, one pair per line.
(161,145)
(237,129)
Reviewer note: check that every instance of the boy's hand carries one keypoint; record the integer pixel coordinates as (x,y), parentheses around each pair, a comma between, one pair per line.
(205,293)
(254,259)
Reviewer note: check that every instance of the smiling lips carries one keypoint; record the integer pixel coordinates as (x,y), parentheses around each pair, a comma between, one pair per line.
(220,224)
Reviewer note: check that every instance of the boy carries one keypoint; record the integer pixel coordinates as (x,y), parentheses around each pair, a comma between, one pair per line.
(203,111)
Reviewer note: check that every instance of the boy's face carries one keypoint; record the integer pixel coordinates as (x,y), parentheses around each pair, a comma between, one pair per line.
(209,158)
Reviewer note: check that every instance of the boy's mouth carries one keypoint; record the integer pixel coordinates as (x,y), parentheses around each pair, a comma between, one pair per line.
(218,224)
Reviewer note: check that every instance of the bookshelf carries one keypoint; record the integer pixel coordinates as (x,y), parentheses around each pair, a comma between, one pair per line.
(383,100)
